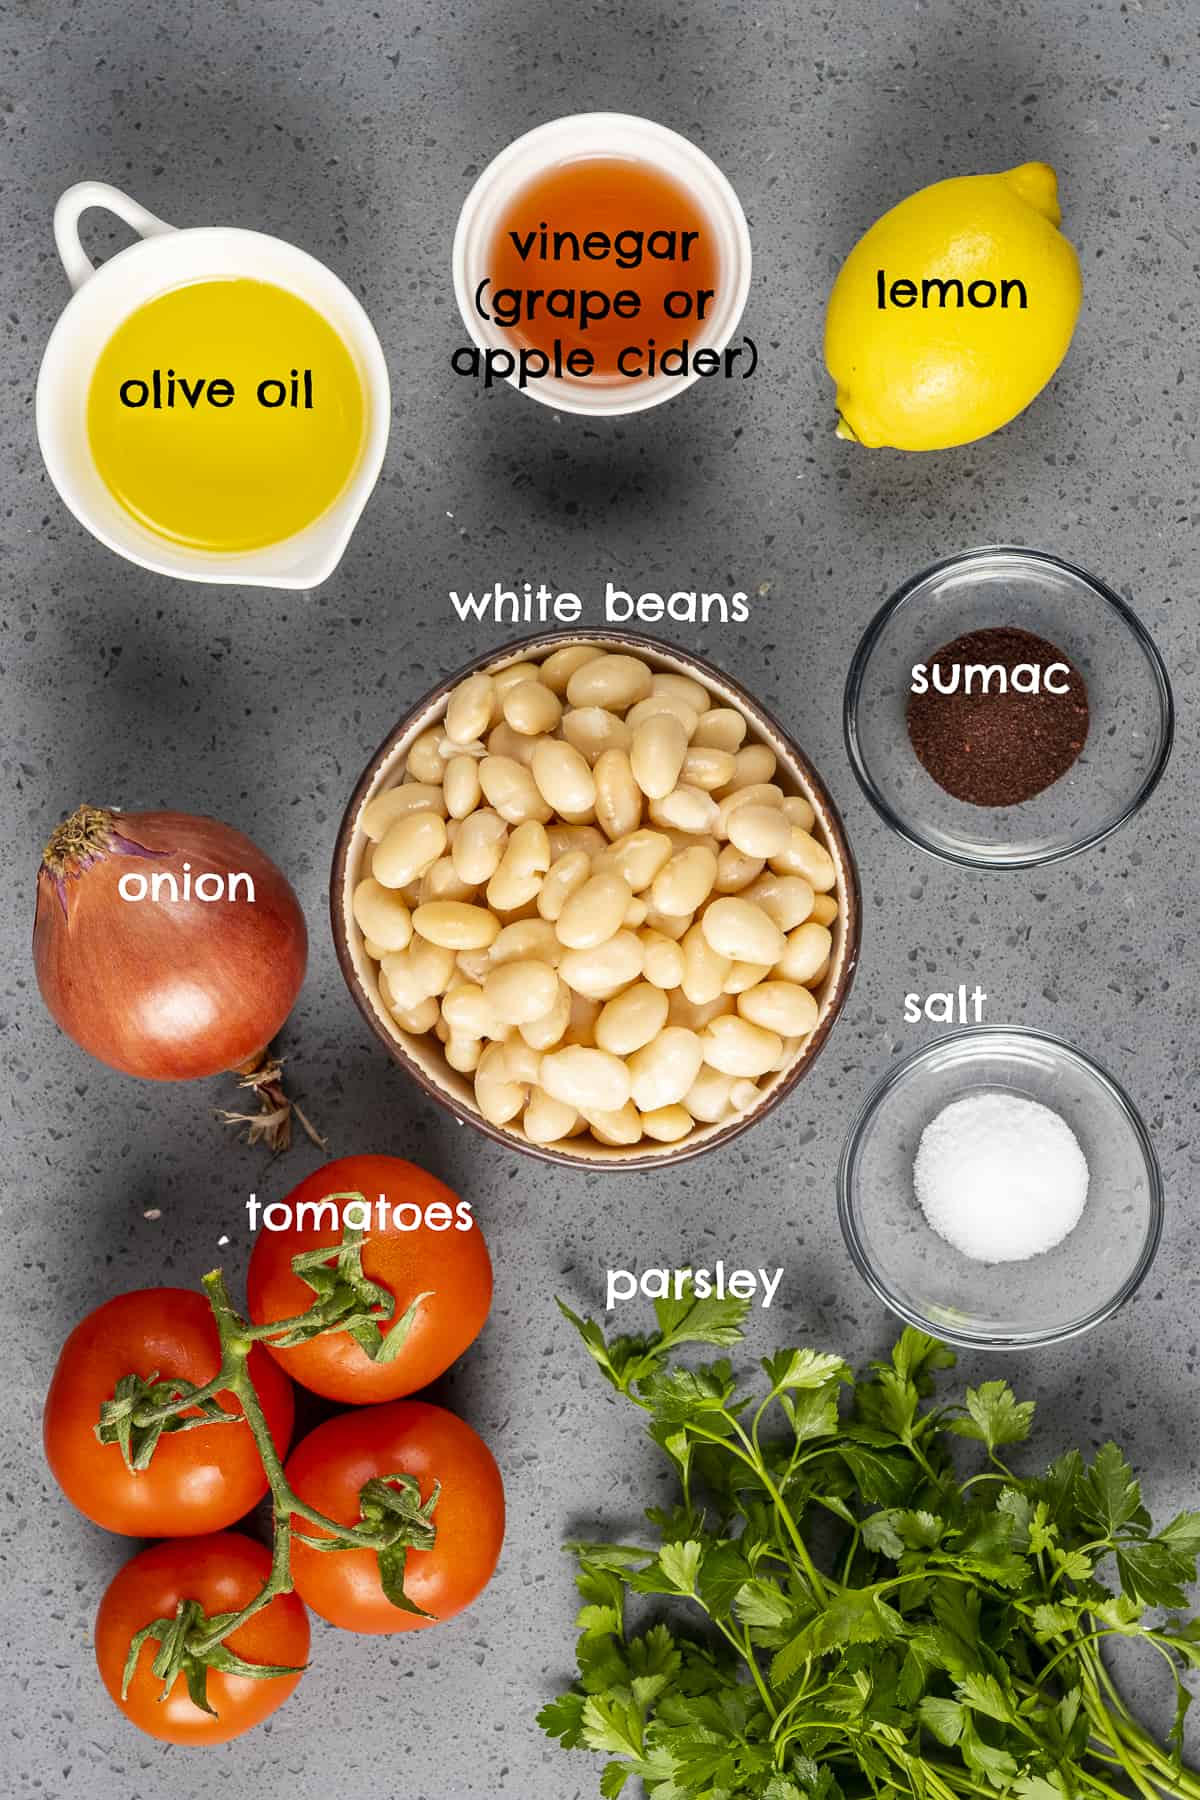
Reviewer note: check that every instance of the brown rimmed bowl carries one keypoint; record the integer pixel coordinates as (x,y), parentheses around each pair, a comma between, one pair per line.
(422,1055)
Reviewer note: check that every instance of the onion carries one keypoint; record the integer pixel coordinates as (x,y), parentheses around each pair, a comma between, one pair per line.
(174,987)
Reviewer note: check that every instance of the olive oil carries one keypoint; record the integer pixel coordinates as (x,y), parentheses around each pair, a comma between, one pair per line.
(226,415)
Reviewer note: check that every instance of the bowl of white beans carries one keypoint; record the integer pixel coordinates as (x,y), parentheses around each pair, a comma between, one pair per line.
(599,905)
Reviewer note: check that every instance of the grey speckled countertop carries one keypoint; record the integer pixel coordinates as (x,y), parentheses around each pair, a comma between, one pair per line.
(355,130)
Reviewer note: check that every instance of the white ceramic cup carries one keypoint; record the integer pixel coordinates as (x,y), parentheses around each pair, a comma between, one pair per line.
(603,134)
(103,298)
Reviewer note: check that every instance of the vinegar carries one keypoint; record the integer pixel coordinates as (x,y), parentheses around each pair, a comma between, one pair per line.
(614,227)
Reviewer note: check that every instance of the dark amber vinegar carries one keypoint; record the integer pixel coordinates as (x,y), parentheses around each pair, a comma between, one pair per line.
(569,209)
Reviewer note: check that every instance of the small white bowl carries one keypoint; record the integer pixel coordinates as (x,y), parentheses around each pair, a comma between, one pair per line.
(603,134)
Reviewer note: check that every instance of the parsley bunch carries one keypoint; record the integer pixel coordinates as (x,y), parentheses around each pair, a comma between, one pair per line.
(849,1616)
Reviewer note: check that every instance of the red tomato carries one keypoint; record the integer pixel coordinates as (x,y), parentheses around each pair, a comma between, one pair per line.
(199,1480)
(329,1468)
(223,1573)
(449,1264)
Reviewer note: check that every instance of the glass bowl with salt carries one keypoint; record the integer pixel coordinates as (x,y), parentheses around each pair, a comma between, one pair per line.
(999,1190)
(1006,709)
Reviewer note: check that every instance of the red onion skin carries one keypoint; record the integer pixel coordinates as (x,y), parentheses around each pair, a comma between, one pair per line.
(170,990)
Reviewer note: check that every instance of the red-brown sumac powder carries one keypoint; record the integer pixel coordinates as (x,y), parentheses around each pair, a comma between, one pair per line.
(998,747)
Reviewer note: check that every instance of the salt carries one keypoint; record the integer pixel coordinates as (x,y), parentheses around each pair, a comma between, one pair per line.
(1000,1177)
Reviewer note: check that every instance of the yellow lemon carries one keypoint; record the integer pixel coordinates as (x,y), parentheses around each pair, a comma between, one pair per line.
(953,311)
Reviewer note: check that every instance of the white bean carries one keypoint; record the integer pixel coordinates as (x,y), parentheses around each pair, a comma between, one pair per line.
(415,974)
(686,881)
(736,1047)
(594,912)
(760,831)
(631,1019)
(544,1032)
(788,899)
(706,767)
(743,932)
(780,1006)
(752,766)
(744,975)
(708,1096)
(418,1019)
(735,870)
(743,1095)
(523,1061)
(683,688)
(504,741)
(636,858)
(667,1124)
(522,868)
(805,953)
(423,762)
(757,793)
(664,960)
(566,876)
(587,1079)
(601,972)
(411,844)
(687,809)
(381,813)
(804,856)
(560,665)
(824,909)
(563,776)
(512,675)
(527,940)
(664,1069)
(498,1098)
(470,709)
(720,729)
(656,754)
(462,786)
(382,915)
(618,796)
(466,1012)
(669,925)
(623,1127)
(530,708)
(546,1119)
(592,730)
(479,846)
(511,790)
(517,993)
(655,705)
(799,811)
(610,681)
(576,837)
(684,1012)
(463,1053)
(704,969)
(455,925)
(441,882)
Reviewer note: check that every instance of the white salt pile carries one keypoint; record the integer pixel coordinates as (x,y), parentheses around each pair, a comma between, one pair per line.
(1000,1177)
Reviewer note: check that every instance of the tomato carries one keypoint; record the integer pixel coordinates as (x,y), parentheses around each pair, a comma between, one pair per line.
(198,1480)
(448,1263)
(223,1573)
(329,1468)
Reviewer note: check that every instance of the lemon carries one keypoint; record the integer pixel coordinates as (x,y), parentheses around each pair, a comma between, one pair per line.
(953,311)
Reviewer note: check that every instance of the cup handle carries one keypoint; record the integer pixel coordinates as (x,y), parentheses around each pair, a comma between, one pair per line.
(75,202)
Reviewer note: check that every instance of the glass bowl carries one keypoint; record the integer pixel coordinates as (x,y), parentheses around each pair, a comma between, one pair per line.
(1000,1306)
(1132,714)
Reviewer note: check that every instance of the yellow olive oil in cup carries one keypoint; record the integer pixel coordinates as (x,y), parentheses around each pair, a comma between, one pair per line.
(226,415)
